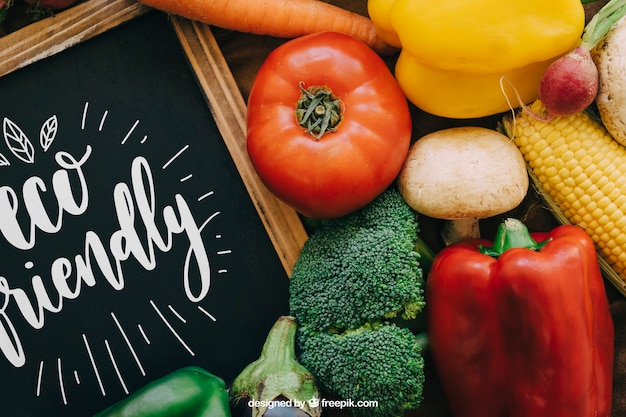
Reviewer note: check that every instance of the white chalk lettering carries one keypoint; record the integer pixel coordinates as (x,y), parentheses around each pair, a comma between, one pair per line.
(135,209)
(38,215)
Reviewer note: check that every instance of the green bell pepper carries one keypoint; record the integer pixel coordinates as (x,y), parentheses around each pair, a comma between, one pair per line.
(187,392)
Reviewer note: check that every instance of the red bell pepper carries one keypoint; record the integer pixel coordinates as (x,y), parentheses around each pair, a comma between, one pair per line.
(522,328)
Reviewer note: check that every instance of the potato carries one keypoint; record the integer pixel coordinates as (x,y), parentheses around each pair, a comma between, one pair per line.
(610,58)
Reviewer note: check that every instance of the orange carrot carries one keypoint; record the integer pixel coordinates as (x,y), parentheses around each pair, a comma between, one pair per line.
(279,18)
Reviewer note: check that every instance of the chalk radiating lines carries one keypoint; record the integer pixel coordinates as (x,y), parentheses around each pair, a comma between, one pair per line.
(218,236)
(104,117)
(83,124)
(221,271)
(143,333)
(169,326)
(61,382)
(60,374)
(177,314)
(39,376)
(84,119)
(130,346)
(130,132)
(203,196)
(115,367)
(173,158)
(93,365)
(209,315)
(186,178)
(144,139)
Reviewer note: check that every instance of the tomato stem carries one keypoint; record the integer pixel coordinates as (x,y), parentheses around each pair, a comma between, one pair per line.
(319,111)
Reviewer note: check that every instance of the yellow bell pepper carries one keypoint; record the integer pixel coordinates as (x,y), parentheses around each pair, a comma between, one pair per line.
(455,52)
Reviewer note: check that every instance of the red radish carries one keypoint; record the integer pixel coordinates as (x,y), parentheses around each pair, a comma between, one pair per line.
(570,84)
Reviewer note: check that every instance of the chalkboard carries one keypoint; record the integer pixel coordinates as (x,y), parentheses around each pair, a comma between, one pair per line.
(134,237)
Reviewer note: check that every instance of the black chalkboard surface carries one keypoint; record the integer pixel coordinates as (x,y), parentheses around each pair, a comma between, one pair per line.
(129,246)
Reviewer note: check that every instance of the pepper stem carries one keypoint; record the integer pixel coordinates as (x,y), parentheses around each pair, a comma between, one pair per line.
(318,110)
(512,233)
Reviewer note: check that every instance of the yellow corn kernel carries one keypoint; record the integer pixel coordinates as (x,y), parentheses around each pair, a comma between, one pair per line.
(614,234)
(583,170)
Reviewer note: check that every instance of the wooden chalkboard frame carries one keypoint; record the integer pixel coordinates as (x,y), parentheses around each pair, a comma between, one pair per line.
(93,17)
(281,222)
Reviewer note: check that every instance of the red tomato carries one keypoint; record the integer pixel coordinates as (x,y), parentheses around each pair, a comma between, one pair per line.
(353,162)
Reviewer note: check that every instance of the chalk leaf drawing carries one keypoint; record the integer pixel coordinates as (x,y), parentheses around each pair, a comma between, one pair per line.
(17,141)
(48,132)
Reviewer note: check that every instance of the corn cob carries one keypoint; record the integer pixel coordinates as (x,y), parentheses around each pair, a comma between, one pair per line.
(575,162)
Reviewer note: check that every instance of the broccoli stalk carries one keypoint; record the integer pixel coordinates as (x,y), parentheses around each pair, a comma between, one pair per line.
(355,290)
(276,377)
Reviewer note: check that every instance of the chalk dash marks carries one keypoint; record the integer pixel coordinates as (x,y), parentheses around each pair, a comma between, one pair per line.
(63,376)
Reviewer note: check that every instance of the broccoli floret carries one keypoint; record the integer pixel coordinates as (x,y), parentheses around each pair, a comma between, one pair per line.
(360,268)
(356,279)
(378,362)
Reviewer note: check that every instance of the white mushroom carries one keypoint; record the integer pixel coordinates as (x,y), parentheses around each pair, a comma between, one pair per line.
(463,174)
